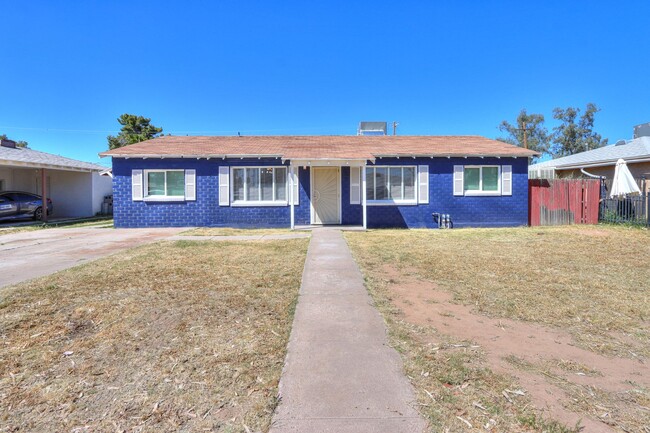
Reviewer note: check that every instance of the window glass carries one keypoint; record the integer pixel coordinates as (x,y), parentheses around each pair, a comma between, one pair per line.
(472,178)
(266,177)
(280,183)
(395,183)
(490,178)
(238,184)
(26,197)
(409,183)
(370,183)
(156,183)
(381,183)
(175,183)
(252,184)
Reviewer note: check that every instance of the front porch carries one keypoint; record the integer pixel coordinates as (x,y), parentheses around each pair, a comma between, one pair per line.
(344,228)
(335,189)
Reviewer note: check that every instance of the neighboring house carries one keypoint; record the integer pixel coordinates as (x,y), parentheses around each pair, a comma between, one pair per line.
(370,181)
(601,161)
(75,187)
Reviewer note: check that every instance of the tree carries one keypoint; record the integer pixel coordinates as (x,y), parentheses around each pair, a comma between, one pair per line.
(134,130)
(575,135)
(19,143)
(529,132)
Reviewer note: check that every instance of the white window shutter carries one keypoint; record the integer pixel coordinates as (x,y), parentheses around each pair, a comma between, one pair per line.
(190,184)
(295,184)
(136,185)
(459,173)
(224,186)
(506,180)
(423,184)
(355,185)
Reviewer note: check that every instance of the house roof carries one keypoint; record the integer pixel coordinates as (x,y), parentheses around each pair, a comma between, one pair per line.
(31,158)
(637,150)
(319,147)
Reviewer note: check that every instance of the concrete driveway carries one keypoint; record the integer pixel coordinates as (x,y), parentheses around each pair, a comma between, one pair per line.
(32,254)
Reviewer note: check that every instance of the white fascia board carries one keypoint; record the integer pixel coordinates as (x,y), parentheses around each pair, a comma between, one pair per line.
(207,156)
(328,162)
(447,155)
(22,164)
(151,156)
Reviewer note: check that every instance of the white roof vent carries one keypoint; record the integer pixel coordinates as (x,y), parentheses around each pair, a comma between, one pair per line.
(642,130)
(372,128)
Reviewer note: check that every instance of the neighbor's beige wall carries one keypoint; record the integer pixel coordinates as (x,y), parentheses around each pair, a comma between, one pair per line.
(638,170)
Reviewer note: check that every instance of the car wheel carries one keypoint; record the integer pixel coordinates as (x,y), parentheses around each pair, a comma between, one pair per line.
(38,213)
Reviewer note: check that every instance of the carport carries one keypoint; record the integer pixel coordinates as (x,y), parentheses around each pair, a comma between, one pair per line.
(75,187)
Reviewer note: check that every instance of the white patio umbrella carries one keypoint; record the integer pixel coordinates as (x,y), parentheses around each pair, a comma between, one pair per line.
(623,183)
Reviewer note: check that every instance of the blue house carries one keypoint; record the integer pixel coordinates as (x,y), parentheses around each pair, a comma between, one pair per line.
(369,181)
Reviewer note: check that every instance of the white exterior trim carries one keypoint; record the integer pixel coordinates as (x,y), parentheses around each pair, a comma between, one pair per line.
(145,186)
(136,185)
(328,162)
(364,198)
(224,185)
(291,193)
(423,184)
(390,202)
(259,203)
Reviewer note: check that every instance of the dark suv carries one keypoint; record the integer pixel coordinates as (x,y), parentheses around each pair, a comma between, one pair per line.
(16,205)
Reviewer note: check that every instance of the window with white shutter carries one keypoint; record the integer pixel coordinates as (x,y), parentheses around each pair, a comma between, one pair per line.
(296,185)
(355,185)
(459,172)
(423,184)
(136,185)
(224,186)
(482,180)
(190,184)
(506,180)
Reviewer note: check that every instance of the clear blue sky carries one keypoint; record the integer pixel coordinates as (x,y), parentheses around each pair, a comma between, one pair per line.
(302,67)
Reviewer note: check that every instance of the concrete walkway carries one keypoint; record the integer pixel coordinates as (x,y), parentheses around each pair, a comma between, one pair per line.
(340,375)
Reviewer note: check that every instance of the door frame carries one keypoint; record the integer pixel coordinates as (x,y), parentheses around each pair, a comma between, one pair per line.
(311,193)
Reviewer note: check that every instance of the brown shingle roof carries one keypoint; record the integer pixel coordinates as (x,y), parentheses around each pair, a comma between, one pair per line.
(319,147)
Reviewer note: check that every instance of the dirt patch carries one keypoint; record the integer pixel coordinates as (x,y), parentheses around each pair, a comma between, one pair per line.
(554,373)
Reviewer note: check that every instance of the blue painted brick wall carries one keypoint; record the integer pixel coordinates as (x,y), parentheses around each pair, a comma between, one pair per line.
(205,211)
(486,211)
(302,213)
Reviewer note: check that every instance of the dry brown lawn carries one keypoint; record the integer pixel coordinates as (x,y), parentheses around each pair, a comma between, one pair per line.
(586,286)
(183,336)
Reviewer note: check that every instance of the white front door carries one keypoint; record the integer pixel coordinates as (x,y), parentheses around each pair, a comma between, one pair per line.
(325,195)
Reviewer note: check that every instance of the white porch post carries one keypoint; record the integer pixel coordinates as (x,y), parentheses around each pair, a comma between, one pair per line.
(291,191)
(363,195)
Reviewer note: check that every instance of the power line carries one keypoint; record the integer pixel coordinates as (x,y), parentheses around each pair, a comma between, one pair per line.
(173,132)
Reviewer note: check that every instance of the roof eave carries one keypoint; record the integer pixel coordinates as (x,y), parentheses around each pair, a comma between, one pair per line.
(597,163)
(37,165)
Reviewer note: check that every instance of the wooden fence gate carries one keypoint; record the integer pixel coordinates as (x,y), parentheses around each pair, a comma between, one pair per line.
(563,201)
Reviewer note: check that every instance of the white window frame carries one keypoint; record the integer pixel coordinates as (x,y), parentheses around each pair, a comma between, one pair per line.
(145,183)
(480,192)
(391,202)
(249,203)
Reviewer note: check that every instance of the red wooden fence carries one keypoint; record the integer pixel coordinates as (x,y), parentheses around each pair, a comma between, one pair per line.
(563,201)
